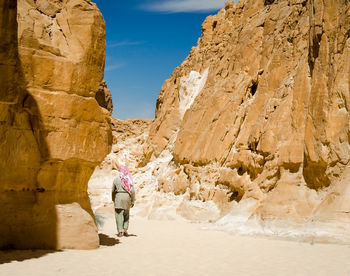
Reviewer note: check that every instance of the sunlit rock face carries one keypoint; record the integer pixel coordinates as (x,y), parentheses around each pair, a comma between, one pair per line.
(128,141)
(259,112)
(52,130)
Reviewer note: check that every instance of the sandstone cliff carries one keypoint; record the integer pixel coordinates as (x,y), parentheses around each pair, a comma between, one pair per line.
(52,130)
(256,119)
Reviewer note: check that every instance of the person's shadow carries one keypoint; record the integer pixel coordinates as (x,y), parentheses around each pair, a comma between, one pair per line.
(107,240)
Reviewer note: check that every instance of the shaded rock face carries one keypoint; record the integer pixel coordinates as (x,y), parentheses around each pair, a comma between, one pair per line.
(52,130)
(260,110)
(104,97)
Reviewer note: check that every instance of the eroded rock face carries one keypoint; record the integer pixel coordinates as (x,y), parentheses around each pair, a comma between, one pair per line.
(159,184)
(104,97)
(259,112)
(128,142)
(53,131)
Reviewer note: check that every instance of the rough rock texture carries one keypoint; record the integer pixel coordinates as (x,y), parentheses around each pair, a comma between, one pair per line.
(104,97)
(152,200)
(52,131)
(128,141)
(257,117)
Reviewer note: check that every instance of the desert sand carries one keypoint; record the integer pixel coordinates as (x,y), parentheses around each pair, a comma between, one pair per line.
(181,248)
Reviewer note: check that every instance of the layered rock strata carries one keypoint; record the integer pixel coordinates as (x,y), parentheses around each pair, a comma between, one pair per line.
(256,118)
(53,132)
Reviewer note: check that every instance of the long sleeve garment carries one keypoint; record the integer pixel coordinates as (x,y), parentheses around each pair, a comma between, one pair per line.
(122,199)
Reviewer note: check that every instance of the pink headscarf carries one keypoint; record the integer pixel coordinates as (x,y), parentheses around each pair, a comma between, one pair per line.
(126,178)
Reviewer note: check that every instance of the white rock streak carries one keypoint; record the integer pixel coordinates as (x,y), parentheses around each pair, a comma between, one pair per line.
(190,87)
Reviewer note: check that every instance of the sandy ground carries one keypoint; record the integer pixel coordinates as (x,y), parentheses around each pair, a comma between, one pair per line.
(181,248)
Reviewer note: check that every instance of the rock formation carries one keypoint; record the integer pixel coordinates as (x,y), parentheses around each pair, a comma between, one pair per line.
(52,130)
(256,119)
(252,129)
(104,97)
(128,141)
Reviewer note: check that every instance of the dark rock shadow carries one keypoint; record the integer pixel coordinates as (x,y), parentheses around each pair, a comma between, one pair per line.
(7,256)
(28,215)
(34,184)
(30,179)
(107,240)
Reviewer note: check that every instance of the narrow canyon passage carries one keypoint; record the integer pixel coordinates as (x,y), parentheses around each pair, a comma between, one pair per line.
(181,248)
(251,133)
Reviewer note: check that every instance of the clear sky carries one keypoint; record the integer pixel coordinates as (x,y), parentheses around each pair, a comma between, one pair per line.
(146,41)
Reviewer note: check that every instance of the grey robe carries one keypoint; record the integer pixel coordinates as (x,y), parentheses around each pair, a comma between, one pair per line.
(122,199)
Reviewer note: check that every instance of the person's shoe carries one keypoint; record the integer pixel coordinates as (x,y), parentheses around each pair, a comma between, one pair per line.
(120,235)
(126,234)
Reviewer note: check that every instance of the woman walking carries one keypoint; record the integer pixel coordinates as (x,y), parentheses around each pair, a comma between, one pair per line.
(123,195)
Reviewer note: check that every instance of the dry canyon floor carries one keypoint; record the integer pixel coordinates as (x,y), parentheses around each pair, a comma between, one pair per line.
(181,248)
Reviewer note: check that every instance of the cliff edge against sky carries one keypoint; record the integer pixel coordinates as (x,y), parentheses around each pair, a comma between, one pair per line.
(52,129)
(259,112)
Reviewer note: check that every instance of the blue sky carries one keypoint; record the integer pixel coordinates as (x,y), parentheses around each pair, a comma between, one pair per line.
(146,41)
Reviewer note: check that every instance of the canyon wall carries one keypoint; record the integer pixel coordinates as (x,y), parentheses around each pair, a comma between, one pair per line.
(256,119)
(52,130)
